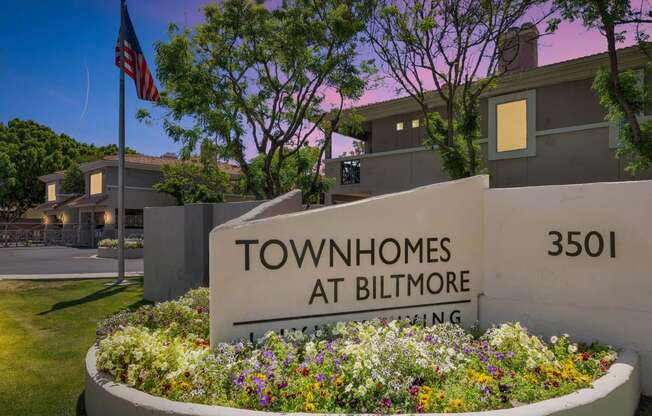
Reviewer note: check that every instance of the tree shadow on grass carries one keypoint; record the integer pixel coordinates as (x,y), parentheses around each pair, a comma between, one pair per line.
(100,294)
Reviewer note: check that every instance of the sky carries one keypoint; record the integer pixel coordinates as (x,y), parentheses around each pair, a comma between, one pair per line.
(56,65)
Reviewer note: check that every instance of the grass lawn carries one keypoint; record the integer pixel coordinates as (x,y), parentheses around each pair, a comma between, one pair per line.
(46,327)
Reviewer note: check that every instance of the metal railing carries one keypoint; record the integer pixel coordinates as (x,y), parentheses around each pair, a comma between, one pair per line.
(31,234)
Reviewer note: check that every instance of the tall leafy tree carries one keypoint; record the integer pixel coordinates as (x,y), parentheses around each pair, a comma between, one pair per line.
(297,173)
(73,180)
(454,46)
(29,150)
(193,181)
(621,92)
(250,73)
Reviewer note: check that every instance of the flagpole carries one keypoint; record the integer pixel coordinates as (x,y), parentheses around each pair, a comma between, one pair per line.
(121,153)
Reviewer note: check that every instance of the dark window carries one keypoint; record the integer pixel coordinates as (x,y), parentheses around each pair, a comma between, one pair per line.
(350,171)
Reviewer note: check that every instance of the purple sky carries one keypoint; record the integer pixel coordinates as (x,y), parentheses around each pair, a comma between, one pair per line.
(57,65)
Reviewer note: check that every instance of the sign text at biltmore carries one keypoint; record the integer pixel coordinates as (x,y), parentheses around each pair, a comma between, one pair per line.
(416,254)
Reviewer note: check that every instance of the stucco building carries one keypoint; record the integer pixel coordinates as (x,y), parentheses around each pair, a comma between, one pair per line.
(541,125)
(87,218)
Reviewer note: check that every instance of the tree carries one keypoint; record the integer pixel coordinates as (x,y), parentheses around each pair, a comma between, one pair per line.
(191,182)
(620,92)
(259,74)
(73,180)
(455,46)
(296,173)
(29,150)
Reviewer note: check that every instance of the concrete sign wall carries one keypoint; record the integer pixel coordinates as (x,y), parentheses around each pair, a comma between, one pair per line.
(574,258)
(414,254)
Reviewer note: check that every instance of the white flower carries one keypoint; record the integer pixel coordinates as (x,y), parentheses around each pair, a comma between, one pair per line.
(553,339)
(572,348)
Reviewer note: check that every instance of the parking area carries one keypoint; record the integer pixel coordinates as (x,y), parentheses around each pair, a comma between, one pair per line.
(59,262)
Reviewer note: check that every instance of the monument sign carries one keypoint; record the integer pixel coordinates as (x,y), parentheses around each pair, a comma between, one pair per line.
(415,254)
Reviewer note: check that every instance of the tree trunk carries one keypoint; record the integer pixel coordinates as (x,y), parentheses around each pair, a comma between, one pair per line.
(625,106)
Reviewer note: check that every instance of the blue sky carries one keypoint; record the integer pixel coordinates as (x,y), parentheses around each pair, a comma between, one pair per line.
(56,53)
(47,48)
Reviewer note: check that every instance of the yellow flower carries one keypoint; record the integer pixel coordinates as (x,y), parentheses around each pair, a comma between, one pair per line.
(309,407)
(184,386)
(457,403)
(339,382)
(441,395)
(425,389)
(309,397)
(261,376)
(316,386)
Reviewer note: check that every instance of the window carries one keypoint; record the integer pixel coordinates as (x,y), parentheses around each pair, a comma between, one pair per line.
(512,129)
(96,183)
(511,126)
(52,192)
(350,172)
(415,123)
(399,126)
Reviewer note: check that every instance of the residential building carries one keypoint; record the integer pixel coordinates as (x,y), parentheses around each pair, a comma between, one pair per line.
(87,218)
(541,125)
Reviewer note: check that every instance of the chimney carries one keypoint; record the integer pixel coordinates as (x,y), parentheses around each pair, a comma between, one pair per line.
(519,49)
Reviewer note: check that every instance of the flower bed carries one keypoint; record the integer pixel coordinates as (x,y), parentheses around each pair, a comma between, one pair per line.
(113,243)
(108,248)
(358,367)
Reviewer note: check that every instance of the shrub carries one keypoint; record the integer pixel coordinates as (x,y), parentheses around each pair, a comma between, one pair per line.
(113,243)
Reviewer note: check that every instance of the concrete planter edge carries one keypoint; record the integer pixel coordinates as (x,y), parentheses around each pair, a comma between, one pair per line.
(615,393)
(112,253)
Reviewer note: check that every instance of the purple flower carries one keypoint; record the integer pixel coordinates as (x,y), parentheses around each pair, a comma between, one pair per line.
(320,358)
(500,356)
(510,354)
(264,400)
(483,358)
(428,338)
(320,378)
(492,370)
(486,390)
(386,402)
(267,354)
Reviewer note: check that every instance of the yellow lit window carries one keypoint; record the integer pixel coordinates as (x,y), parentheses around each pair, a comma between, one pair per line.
(511,126)
(96,183)
(415,123)
(399,126)
(52,192)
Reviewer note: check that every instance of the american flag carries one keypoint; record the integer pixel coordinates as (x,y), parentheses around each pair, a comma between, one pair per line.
(135,64)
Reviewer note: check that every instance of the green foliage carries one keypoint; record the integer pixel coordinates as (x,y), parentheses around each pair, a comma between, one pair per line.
(192,182)
(73,181)
(296,173)
(462,156)
(637,153)
(251,71)
(29,150)
(621,92)
(113,243)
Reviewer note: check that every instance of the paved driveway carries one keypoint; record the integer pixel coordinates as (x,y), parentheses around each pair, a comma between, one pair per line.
(57,262)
